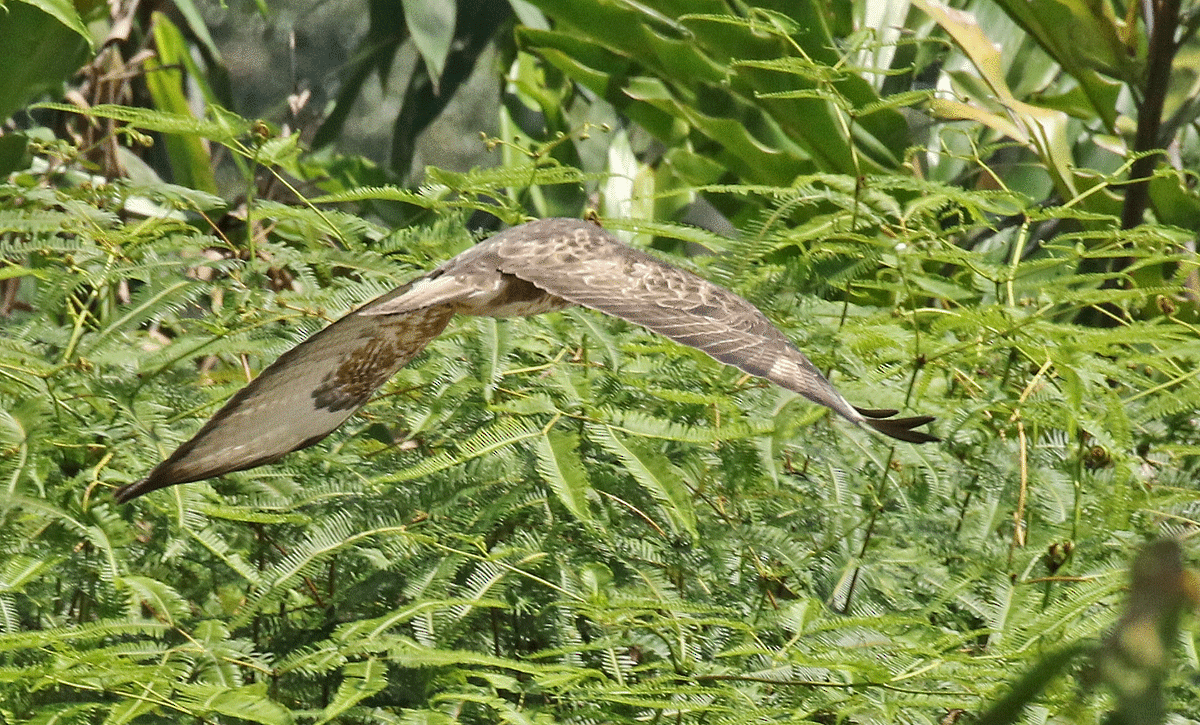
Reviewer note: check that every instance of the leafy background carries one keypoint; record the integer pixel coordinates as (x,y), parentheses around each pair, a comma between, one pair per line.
(566,518)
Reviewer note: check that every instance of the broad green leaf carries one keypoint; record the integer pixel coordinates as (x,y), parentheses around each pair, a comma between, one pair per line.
(13,153)
(190,160)
(431,23)
(1044,129)
(44,44)
(1059,27)
(63,11)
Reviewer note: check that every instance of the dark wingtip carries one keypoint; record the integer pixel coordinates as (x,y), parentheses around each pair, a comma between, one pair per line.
(167,473)
(880,413)
(901,428)
(127,493)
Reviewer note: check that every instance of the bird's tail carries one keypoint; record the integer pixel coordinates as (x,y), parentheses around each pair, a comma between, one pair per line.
(899,428)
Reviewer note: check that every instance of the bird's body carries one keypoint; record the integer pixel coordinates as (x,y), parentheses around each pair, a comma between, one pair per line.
(537,267)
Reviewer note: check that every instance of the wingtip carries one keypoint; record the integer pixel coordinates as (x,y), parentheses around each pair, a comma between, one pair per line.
(879,413)
(902,428)
(168,473)
(127,493)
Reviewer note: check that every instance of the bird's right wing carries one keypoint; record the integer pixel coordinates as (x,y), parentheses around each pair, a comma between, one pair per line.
(301,397)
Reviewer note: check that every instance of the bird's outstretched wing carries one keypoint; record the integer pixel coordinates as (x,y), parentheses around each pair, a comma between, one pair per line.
(583,264)
(301,397)
(536,267)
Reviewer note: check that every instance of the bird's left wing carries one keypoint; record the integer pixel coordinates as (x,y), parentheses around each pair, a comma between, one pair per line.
(301,397)
(584,264)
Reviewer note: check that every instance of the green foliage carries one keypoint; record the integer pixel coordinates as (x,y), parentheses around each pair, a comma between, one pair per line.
(761,95)
(46,41)
(450,38)
(565,518)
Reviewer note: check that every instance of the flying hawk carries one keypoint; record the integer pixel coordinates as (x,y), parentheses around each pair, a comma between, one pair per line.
(533,268)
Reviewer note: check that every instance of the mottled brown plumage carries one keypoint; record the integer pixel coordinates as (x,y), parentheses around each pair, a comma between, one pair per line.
(533,268)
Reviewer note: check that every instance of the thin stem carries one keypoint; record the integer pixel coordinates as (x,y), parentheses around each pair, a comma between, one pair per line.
(1160,55)
(862,551)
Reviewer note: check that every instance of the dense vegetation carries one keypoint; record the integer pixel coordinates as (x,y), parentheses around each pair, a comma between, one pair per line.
(566,518)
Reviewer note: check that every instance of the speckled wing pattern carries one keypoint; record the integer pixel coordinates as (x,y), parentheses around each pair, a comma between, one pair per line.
(530,269)
(301,397)
(587,266)
(583,264)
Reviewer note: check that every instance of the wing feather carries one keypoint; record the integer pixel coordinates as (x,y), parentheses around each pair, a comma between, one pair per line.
(583,264)
(587,266)
(301,397)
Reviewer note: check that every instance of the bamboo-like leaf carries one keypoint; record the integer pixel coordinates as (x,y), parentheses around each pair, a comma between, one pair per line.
(249,702)
(65,715)
(14,450)
(562,470)
(163,601)
(360,680)
(225,130)
(190,160)
(382,193)
(506,432)
(654,474)
(431,24)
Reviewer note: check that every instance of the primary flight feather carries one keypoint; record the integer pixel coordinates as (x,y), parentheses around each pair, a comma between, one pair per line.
(533,268)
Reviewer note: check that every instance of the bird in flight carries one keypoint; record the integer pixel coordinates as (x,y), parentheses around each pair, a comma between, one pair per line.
(536,267)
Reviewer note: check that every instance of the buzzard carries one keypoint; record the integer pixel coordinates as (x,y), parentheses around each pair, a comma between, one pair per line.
(529,269)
